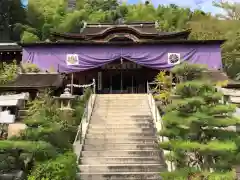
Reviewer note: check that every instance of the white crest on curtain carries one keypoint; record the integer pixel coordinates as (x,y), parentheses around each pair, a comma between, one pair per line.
(72,59)
(174,58)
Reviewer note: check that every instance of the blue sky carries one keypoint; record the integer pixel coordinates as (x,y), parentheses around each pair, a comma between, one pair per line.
(205,5)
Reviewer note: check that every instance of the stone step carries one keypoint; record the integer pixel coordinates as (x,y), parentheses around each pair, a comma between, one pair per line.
(121,125)
(121,160)
(123,110)
(123,114)
(118,146)
(121,168)
(119,120)
(122,101)
(120,141)
(118,123)
(23,112)
(97,117)
(125,95)
(21,118)
(138,98)
(119,135)
(113,132)
(123,153)
(119,129)
(120,176)
(124,105)
(122,98)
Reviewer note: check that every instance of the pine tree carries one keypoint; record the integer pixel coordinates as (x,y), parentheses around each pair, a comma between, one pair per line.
(196,123)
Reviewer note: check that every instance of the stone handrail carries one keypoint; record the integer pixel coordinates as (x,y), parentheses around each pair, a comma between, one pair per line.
(82,128)
(159,126)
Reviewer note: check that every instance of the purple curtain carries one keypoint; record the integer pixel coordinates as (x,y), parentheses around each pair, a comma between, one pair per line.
(152,56)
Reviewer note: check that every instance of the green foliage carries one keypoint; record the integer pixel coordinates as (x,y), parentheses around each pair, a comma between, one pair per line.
(188,72)
(13,154)
(194,174)
(28,37)
(30,68)
(196,126)
(232,10)
(193,88)
(61,168)
(53,135)
(47,142)
(8,72)
(162,89)
(212,28)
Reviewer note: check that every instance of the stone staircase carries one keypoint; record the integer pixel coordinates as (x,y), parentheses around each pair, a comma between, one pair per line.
(121,142)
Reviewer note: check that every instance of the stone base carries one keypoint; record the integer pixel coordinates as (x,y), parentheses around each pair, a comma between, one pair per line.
(15,129)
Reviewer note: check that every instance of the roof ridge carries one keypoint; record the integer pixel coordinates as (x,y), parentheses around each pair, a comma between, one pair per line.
(30,73)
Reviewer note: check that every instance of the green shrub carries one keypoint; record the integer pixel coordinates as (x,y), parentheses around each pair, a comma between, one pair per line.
(40,150)
(188,71)
(30,68)
(180,174)
(49,134)
(54,136)
(10,161)
(186,173)
(8,72)
(16,155)
(63,167)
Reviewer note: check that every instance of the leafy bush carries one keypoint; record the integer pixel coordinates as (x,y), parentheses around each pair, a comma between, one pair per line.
(195,125)
(8,72)
(30,68)
(15,155)
(48,136)
(54,136)
(28,37)
(40,150)
(194,174)
(10,161)
(188,72)
(180,174)
(63,167)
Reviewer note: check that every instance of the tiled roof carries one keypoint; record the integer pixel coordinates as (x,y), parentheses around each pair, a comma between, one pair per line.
(216,76)
(220,76)
(92,31)
(10,47)
(35,81)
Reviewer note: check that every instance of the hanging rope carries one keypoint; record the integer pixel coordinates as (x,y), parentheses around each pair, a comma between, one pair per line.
(81,86)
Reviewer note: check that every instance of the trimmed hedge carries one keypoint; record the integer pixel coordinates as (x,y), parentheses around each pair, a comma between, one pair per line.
(54,136)
(39,149)
(62,168)
(193,174)
(15,155)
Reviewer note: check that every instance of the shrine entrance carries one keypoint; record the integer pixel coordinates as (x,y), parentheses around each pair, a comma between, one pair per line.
(123,77)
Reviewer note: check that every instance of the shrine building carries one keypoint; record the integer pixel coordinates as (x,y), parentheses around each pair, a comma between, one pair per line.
(121,58)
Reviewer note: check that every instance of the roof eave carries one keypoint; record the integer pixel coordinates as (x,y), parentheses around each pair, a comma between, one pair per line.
(150,42)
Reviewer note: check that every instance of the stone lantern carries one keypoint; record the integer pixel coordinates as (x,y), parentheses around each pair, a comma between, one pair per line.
(65,100)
